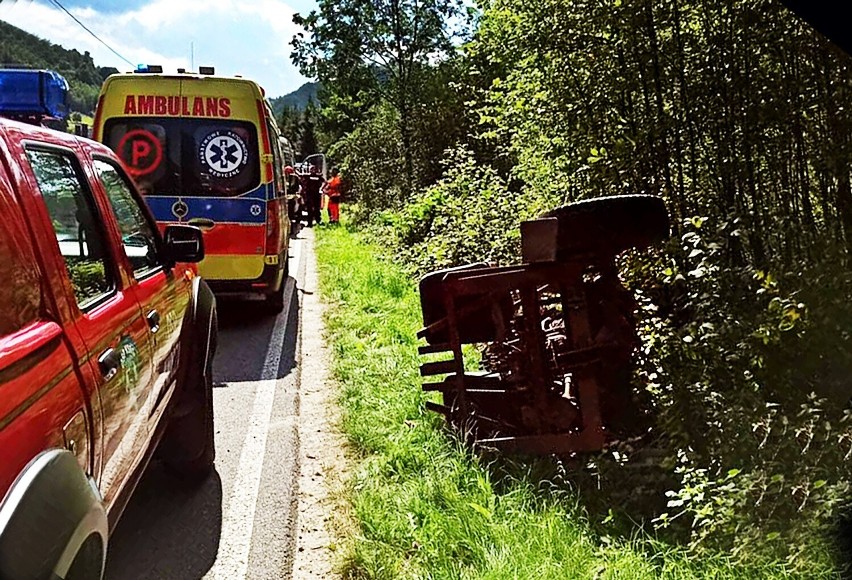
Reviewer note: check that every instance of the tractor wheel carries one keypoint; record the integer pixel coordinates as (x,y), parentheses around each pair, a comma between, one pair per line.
(611,224)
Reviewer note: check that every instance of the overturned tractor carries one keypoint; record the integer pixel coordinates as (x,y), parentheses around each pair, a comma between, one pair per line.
(555,333)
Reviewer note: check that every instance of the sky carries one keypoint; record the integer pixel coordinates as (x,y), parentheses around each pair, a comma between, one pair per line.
(237,37)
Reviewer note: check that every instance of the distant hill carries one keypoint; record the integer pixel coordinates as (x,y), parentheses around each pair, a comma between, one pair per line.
(298,99)
(20,49)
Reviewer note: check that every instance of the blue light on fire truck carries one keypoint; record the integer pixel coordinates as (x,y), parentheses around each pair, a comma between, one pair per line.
(25,92)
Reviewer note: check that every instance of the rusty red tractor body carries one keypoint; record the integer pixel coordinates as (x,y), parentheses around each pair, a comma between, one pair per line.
(555,333)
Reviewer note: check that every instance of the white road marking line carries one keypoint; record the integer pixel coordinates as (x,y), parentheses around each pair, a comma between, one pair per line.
(238,517)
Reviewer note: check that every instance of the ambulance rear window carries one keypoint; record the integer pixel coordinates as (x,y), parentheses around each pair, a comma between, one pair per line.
(187,157)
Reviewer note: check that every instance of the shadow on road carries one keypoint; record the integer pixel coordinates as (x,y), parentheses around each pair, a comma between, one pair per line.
(245,331)
(167,530)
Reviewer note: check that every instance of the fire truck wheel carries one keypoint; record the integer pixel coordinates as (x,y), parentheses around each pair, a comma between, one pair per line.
(89,561)
(52,522)
(611,224)
(188,449)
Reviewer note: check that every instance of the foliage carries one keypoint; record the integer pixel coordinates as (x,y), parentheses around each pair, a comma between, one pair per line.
(371,56)
(372,161)
(738,115)
(290,120)
(88,278)
(762,445)
(297,100)
(469,216)
(300,128)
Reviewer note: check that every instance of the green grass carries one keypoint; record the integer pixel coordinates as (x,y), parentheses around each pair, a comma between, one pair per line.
(425,507)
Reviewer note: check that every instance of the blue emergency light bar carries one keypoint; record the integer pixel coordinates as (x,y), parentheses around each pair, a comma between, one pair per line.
(148,68)
(33,93)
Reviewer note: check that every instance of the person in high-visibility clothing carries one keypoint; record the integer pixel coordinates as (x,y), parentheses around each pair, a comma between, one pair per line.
(334,191)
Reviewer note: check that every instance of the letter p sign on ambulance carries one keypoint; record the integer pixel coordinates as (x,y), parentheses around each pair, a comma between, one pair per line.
(141,152)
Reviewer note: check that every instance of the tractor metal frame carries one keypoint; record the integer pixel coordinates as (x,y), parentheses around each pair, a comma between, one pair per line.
(556,334)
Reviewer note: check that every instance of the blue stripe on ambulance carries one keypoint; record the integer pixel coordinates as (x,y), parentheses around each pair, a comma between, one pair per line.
(247,210)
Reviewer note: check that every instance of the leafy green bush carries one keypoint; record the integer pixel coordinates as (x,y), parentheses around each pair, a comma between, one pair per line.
(747,373)
(469,216)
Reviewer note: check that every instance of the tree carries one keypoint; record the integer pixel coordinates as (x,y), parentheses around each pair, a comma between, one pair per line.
(365,52)
(308,144)
(290,123)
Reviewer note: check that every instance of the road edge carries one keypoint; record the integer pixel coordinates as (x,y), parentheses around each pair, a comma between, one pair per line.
(322,455)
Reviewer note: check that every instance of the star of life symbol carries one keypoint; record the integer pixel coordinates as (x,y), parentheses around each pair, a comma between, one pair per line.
(224,153)
(255,209)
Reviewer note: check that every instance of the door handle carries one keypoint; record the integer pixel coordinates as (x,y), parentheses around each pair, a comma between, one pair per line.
(153,319)
(109,363)
(202,223)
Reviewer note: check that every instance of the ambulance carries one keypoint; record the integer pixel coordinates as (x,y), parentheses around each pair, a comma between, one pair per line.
(205,150)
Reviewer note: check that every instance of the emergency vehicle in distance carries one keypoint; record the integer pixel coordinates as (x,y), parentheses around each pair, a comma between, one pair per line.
(206,151)
(295,202)
(107,338)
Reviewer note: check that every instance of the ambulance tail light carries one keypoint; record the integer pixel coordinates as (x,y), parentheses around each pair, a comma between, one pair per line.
(273,227)
(266,144)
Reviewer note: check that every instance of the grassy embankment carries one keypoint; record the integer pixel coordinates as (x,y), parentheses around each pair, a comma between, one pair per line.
(426,507)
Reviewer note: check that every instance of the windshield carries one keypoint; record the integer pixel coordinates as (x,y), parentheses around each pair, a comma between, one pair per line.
(187,157)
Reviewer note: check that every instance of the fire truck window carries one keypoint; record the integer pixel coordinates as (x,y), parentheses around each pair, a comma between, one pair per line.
(20,293)
(78,230)
(137,233)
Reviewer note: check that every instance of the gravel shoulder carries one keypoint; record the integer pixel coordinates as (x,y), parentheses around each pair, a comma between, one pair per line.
(322,511)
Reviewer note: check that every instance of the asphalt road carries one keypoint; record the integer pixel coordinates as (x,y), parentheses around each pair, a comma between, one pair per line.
(240,522)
